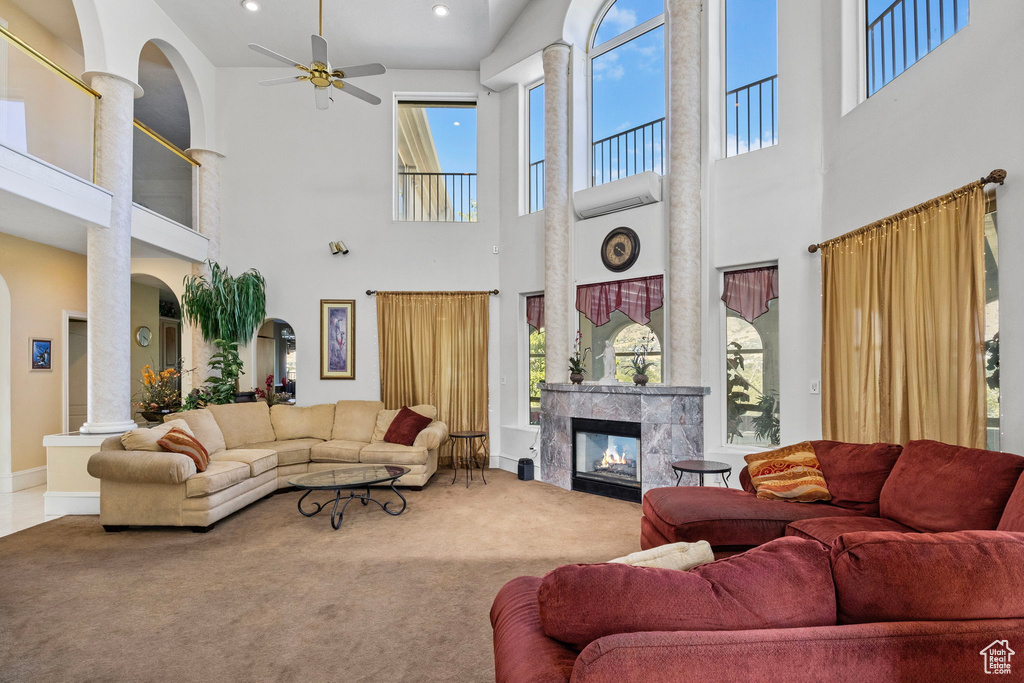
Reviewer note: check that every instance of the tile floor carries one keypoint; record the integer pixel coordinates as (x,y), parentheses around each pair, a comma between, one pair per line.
(21,509)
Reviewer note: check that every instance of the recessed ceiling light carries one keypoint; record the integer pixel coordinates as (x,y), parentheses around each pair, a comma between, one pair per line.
(251,5)
(441,10)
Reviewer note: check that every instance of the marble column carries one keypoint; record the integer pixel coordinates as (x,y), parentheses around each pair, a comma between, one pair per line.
(684,233)
(557,240)
(109,255)
(207,216)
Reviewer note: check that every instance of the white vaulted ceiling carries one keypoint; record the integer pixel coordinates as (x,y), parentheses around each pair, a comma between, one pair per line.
(401,34)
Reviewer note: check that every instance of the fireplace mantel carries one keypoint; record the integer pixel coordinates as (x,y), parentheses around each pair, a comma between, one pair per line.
(671,419)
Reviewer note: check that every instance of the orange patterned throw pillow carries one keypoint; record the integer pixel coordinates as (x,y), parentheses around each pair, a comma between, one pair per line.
(791,473)
(177,441)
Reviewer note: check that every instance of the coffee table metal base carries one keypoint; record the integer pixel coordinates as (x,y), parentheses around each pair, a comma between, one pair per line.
(337,517)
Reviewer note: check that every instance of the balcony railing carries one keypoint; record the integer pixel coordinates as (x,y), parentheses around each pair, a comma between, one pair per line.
(751,116)
(437,197)
(537,186)
(906,31)
(630,152)
(163,180)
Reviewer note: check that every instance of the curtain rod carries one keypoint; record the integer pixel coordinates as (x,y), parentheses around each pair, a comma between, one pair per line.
(997,176)
(492,292)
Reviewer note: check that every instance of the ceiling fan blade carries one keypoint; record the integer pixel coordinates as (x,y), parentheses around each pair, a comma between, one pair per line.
(363,70)
(282,81)
(323,98)
(273,55)
(356,92)
(320,50)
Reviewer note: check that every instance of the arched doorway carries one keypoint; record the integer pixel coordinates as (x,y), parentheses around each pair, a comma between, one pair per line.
(275,356)
(155,343)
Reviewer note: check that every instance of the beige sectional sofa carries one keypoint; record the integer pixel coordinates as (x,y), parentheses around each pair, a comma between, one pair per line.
(254,450)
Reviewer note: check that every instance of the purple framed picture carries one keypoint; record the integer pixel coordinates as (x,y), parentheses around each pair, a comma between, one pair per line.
(337,339)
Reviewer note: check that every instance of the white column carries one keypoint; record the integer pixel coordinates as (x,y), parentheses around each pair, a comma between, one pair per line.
(556,213)
(684,236)
(207,215)
(109,263)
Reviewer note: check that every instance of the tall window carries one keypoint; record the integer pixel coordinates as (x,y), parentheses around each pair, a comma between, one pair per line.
(902,32)
(535,354)
(616,319)
(436,162)
(752,357)
(751,75)
(536,148)
(992,323)
(628,96)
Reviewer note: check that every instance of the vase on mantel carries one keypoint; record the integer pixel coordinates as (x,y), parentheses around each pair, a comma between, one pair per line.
(576,377)
(640,380)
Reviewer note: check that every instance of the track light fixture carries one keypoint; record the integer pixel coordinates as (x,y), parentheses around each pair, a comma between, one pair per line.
(338,248)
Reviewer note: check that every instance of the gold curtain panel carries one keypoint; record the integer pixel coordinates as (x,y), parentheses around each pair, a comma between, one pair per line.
(904,320)
(433,349)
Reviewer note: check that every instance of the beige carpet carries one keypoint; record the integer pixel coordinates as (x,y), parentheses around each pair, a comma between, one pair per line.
(270,595)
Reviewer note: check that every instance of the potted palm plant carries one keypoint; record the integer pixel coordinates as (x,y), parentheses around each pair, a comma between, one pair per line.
(227,311)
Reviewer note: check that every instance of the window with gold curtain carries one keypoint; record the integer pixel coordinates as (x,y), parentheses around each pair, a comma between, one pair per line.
(903,326)
(433,350)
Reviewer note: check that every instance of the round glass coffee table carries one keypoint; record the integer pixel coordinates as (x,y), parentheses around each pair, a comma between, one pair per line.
(348,478)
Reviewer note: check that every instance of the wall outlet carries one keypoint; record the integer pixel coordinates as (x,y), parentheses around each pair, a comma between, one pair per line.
(495,248)
(815,386)
(503,380)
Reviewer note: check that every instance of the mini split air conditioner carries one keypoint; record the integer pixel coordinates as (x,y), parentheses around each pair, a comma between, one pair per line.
(618,195)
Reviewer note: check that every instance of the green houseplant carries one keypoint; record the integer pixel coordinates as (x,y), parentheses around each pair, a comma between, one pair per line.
(577,359)
(639,363)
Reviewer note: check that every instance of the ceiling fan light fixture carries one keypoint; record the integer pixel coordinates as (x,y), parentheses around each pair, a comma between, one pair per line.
(251,5)
(442,10)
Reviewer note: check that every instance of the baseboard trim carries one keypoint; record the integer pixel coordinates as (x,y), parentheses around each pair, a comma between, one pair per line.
(23,479)
(510,464)
(60,503)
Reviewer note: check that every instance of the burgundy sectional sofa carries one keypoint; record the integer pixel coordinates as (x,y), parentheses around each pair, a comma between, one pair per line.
(873,606)
(925,486)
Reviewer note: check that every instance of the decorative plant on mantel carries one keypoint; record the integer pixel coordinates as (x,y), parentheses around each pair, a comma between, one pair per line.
(577,359)
(227,311)
(639,362)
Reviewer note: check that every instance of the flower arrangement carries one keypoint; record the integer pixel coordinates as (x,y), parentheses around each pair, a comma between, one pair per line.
(159,391)
(273,397)
(578,357)
(639,363)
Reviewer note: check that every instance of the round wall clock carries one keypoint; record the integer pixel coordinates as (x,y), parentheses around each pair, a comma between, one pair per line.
(620,249)
(144,336)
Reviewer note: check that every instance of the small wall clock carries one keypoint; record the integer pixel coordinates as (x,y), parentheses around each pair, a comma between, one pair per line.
(143,336)
(620,249)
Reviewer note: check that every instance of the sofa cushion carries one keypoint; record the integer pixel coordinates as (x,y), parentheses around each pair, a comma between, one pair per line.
(791,473)
(1013,513)
(956,576)
(303,422)
(680,556)
(290,452)
(725,517)
(336,450)
(386,417)
(179,441)
(204,427)
(258,460)
(828,529)
(355,420)
(218,476)
(142,467)
(939,487)
(784,584)
(521,650)
(406,426)
(855,473)
(385,453)
(146,438)
(244,423)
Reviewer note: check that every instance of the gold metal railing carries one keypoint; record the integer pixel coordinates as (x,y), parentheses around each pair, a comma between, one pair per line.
(165,142)
(46,61)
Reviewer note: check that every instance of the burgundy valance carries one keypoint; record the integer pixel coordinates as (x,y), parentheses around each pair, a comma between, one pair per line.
(636,298)
(748,291)
(535,311)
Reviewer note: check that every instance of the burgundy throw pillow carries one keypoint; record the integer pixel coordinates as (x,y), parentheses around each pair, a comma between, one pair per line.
(178,441)
(786,583)
(940,487)
(406,427)
(856,472)
(890,576)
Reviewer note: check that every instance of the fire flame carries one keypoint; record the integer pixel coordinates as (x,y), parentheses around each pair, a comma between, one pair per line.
(612,457)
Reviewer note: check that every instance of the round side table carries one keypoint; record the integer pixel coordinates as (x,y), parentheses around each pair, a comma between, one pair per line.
(700,468)
(468,460)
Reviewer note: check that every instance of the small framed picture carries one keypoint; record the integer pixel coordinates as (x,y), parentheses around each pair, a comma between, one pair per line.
(337,339)
(40,353)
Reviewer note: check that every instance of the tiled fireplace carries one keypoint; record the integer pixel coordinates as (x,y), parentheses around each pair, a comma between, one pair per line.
(618,440)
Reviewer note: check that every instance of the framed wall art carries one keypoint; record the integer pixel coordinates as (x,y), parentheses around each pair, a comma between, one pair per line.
(40,353)
(337,339)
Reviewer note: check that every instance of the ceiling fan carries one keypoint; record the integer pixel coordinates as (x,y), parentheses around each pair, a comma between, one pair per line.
(320,74)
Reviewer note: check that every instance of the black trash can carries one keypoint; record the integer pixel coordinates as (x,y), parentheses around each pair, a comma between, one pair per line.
(525,469)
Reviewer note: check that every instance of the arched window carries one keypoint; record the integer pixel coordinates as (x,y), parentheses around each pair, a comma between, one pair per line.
(626,343)
(627,67)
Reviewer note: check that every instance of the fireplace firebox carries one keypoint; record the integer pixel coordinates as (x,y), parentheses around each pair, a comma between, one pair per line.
(606,458)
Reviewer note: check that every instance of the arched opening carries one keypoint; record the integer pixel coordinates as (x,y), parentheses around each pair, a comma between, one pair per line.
(156,348)
(626,342)
(275,360)
(163,181)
